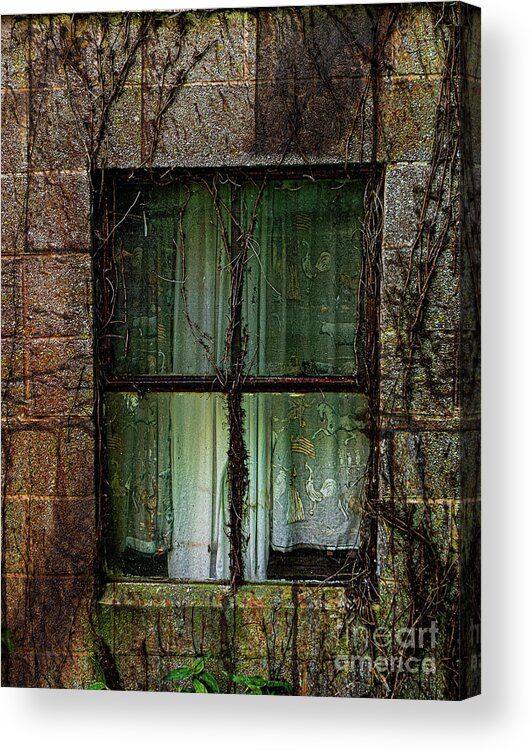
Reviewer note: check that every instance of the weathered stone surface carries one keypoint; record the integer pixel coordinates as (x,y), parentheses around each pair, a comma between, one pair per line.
(65,147)
(13,378)
(180,622)
(14,130)
(313,95)
(14,197)
(121,143)
(470,372)
(421,465)
(471,100)
(314,42)
(42,669)
(58,295)
(435,522)
(133,671)
(416,45)
(16,535)
(49,462)
(176,619)
(81,51)
(403,289)
(47,615)
(75,462)
(471,38)
(470,476)
(60,374)
(79,671)
(29,462)
(470,312)
(14,52)
(62,536)
(420,374)
(204,126)
(182,630)
(408,111)
(58,212)
(214,48)
(410,195)
(12,302)
(327,124)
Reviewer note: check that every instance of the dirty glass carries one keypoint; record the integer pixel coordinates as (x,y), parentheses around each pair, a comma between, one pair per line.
(301,296)
(167,482)
(169,281)
(170,277)
(307,464)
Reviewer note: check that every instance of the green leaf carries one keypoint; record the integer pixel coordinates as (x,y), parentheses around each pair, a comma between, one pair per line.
(257,681)
(250,681)
(98,685)
(239,679)
(277,684)
(178,674)
(198,665)
(198,686)
(210,682)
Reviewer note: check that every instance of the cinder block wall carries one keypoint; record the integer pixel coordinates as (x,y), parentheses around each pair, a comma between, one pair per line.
(390,86)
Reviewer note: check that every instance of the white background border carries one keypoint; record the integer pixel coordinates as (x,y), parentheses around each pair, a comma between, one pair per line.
(500,719)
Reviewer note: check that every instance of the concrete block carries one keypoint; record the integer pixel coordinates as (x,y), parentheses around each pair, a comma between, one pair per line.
(203,126)
(58,295)
(59,212)
(60,377)
(14,130)
(14,221)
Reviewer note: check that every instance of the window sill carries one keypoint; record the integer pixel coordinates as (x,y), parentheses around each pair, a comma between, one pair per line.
(162,595)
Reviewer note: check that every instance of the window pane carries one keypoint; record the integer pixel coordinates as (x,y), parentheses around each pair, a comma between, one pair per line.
(169,280)
(307,470)
(167,483)
(301,298)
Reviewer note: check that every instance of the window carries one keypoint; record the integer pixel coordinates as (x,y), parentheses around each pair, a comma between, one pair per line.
(235,443)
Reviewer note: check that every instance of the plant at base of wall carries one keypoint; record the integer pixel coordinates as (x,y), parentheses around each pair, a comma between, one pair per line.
(258,685)
(98,685)
(198,680)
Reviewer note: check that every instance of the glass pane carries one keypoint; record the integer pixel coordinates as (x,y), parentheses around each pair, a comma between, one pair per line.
(307,471)
(301,298)
(167,484)
(169,279)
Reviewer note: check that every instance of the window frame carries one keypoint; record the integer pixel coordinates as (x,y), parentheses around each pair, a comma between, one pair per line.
(361,382)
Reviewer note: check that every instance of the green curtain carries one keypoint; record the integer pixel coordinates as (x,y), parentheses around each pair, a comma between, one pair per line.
(167,478)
